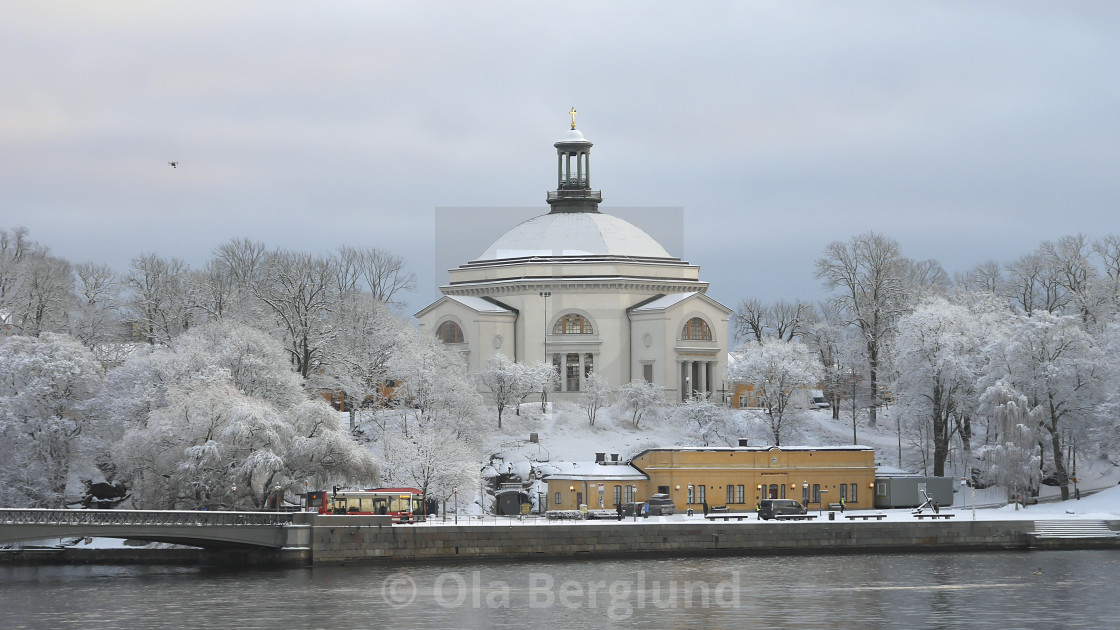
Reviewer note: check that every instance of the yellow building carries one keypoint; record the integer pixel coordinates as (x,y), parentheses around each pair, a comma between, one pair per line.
(737,477)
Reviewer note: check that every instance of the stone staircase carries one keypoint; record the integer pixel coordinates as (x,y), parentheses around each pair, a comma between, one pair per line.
(1073,529)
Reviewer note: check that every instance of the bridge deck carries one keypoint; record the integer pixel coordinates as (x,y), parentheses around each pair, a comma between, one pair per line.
(199,529)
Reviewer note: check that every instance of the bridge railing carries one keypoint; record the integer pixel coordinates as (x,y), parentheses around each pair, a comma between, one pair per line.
(18,516)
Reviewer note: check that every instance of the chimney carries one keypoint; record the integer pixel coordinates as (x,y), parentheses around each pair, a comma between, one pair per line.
(614,457)
(743,442)
(600,458)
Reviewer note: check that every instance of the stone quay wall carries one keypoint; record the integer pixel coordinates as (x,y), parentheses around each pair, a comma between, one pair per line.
(380,544)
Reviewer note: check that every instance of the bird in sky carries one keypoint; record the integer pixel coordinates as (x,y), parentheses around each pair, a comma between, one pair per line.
(174,164)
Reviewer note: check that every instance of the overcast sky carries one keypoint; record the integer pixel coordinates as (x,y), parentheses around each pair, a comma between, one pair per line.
(964,130)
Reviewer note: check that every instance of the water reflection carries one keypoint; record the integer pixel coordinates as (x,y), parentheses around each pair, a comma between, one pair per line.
(991,590)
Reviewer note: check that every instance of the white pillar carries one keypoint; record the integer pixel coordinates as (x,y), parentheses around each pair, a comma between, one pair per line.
(702,386)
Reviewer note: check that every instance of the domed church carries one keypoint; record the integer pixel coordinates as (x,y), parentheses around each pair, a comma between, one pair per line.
(586,292)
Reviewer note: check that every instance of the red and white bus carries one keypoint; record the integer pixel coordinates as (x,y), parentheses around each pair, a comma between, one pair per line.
(405,505)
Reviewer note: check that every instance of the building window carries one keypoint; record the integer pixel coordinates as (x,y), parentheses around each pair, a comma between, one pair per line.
(557,502)
(588,364)
(629,494)
(805,494)
(617,495)
(881,489)
(701,495)
(844,492)
(730,493)
(816,493)
(449,332)
(854,498)
(571,373)
(573,324)
(783,491)
(740,496)
(696,329)
(691,494)
(647,372)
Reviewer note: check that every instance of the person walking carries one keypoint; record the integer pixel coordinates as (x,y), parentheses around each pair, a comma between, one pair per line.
(843,502)
(618,508)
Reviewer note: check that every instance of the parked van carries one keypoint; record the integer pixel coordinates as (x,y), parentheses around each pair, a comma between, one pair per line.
(769,508)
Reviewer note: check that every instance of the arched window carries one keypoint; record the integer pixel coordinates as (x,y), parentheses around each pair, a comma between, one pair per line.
(573,324)
(696,329)
(449,332)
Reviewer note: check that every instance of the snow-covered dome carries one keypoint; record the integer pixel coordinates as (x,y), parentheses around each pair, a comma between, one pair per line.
(574,234)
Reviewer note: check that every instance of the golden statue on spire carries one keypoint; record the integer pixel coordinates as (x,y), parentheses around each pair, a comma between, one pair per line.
(573,115)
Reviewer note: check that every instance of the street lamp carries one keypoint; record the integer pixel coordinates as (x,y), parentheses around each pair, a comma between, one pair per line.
(544,339)
(455,492)
(805,493)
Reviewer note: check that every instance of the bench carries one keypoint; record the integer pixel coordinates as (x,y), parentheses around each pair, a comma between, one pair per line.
(795,517)
(878,517)
(719,508)
(839,507)
(724,516)
(934,515)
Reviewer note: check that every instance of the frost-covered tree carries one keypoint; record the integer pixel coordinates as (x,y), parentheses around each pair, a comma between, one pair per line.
(501,376)
(640,397)
(300,293)
(780,371)
(45,383)
(939,355)
(358,363)
(1014,454)
(753,320)
(594,395)
(221,408)
(708,423)
(872,280)
(431,459)
(45,296)
(161,304)
(1052,361)
(96,319)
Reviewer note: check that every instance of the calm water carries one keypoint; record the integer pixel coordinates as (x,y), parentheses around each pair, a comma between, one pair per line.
(1074,589)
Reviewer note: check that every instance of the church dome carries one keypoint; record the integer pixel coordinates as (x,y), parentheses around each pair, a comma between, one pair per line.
(575,234)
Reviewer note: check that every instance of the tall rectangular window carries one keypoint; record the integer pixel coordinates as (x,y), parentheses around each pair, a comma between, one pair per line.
(629,494)
(691,494)
(588,364)
(572,373)
(702,495)
(557,501)
(854,497)
(816,493)
(844,492)
(730,493)
(617,495)
(739,494)
(647,372)
(558,367)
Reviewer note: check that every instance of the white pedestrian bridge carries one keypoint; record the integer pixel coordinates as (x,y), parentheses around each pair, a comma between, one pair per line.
(214,530)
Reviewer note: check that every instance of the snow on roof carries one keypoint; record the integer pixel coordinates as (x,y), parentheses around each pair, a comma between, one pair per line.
(574,234)
(580,471)
(478,304)
(665,301)
(891,471)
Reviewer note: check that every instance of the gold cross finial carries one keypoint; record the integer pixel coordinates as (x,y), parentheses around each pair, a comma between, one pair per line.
(573,115)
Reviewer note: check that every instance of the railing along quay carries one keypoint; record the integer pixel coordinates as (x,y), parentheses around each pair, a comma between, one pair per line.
(18,516)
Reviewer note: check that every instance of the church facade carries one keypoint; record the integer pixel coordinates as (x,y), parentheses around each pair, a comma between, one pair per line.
(586,292)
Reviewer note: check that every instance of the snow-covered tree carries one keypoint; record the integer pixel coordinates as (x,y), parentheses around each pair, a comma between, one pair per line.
(1052,361)
(640,397)
(160,302)
(594,395)
(224,410)
(501,377)
(873,280)
(780,372)
(300,293)
(45,383)
(939,354)
(707,422)
(1014,454)
(431,459)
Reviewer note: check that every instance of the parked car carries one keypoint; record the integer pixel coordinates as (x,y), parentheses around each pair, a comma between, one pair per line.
(636,508)
(769,508)
(661,505)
